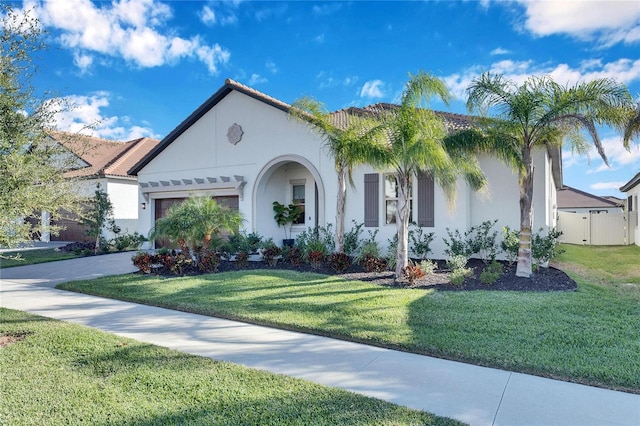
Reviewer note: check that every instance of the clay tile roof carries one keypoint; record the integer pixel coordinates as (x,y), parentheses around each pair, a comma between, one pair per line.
(104,157)
(451,121)
(568,197)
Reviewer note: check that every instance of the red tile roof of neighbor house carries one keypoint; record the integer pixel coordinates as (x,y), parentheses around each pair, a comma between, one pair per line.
(568,197)
(104,157)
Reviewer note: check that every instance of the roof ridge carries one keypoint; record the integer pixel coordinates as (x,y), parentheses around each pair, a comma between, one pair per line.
(132,146)
(243,87)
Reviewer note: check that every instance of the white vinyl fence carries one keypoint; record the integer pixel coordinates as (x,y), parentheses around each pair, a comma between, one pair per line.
(605,229)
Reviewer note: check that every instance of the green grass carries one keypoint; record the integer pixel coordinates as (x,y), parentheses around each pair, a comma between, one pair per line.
(588,336)
(62,373)
(30,257)
(606,265)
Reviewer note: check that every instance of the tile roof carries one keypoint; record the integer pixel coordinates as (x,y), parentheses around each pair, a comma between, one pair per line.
(568,197)
(104,157)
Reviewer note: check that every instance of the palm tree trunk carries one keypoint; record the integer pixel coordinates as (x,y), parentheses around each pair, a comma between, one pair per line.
(402,220)
(340,207)
(526,216)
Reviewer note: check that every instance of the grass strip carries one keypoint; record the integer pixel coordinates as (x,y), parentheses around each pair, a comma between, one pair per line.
(589,336)
(59,373)
(31,257)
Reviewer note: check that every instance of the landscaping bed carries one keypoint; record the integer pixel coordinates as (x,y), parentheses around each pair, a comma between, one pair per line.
(544,279)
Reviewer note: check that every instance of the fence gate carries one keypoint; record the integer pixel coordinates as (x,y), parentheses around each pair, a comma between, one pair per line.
(606,229)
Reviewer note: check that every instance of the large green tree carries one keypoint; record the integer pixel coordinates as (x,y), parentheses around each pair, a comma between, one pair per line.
(539,113)
(417,143)
(350,140)
(31,167)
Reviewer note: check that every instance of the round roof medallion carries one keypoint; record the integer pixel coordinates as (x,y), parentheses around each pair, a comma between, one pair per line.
(234,134)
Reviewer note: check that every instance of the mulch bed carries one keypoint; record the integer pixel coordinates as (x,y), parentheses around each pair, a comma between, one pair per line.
(545,279)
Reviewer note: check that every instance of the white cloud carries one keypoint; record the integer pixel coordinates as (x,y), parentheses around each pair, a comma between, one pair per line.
(609,22)
(85,116)
(208,16)
(133,30)
(82,61)
(319,38)
(256,79)
(617,155)
(622,70)
(606,185)
(499,51)
(372,89)
(271,67)
(326,8)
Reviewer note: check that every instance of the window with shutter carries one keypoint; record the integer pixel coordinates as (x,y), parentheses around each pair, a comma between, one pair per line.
(426,210)
(371,199)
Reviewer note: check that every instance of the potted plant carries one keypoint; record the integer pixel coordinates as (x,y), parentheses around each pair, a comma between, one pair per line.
(285,216)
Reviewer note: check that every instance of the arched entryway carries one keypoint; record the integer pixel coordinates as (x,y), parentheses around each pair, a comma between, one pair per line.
(286,179)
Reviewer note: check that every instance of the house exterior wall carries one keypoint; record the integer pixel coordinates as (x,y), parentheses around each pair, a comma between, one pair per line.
(204,150)
(634,219)
(276,150)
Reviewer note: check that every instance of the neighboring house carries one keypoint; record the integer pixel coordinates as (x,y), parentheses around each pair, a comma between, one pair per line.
(573,200)
(632,189)
(104,162)
(242,148)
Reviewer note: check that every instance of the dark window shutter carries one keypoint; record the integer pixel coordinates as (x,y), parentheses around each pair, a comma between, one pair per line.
(426,215)
(630,203)
(371,199)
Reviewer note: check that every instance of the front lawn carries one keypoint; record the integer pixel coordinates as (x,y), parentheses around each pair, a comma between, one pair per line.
(56,373)
(30,257)
(588,336)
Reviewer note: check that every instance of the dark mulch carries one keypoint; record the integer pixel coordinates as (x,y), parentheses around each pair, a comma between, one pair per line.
(545,279)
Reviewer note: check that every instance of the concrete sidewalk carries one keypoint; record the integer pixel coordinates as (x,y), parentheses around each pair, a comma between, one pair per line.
(473,394)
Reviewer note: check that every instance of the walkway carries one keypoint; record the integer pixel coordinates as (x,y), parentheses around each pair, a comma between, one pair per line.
(477,395)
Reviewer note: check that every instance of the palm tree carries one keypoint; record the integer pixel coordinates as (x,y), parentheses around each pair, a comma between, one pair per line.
(538,113)
(193,223)
(348,138)
(417,144)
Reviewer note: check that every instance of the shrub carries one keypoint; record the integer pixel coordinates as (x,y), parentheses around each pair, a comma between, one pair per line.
(209,261)
(428,267)
(392,252)
(271,254)
(545,248)
(352,240)
(339,262)
(457,244)
(510,243)
(458,276)
(142,261)
(177,264)
(242,259)
(369,248)
(128,241)
(292,255)
(240,241)
(482,241)
(419,242)
(412,273)
(319,238)
(457,262)
(315,258)
(374,264)
(491,273)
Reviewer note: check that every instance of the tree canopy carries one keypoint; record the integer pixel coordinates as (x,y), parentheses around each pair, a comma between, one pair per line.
(31,166)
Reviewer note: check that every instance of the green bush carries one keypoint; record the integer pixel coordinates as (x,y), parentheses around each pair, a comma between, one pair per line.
(545,247)
(491,273)
(339,262)
(483,242)
(419,242)
(510,243)
(457,262)
(458,276)
(320,238)
(428,267)
(352,239)
(128,241)
(392,252)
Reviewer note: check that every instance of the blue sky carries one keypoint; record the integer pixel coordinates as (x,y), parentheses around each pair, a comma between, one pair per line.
(139,67)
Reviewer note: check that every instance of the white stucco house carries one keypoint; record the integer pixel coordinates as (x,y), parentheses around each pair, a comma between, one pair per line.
(241,147)
(94,161)
(632,190)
